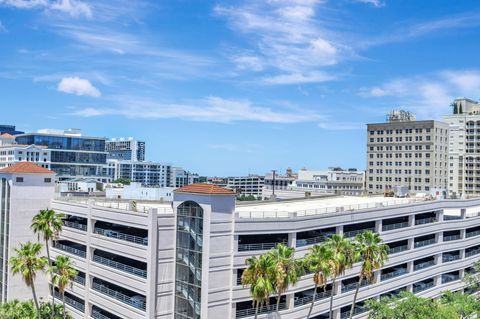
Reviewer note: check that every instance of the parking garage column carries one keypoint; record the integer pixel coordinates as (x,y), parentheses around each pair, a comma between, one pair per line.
(463,213)
(411,220)
(411,243)
(439,237)
(462,233)
(339,230)
(290,301)
(292,239)
(378,226)
(410,266)
(439,215)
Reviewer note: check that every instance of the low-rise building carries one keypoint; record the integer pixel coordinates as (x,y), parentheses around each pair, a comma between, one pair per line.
(138,192)
(246,185)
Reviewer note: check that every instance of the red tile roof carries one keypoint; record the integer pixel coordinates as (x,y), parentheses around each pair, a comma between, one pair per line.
(26,167)
(6,135)
(203,188)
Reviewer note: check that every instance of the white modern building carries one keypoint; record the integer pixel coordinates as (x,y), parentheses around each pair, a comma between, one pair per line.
(11,154)
(185,260)
(147,173)
(181,177)
(81,185)
(409,153)
(138,192)
(25,188)
(247,185)
(464,148)
(335,180)
(126,149)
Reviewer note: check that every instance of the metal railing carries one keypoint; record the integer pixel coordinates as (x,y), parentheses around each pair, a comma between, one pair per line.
(260,246)
(308,299)
(323,210)
(312,241)
(423,221)
(451,237)
(423,243)
(265,309)
(449,278)
(448,258)
(70,250)
(122,236)
(353,286)
(423,265)
(120,266)
(423,287)
(394,226)
(353,233)
(472,252)
(393,274)
(142,305)
(80,280)
(97,315)
(397,249)
(451,217)
(472,233)
(75,225)
(358,310)
(71,302)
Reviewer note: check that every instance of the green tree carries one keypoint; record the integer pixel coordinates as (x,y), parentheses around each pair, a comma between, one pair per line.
(47,224)
(342,259)
(63,274)
(465,305)
(286,270)
(318,261)
(258,275)
(28,263)
(16,309)
(369,247)
(124,181)
(472,278)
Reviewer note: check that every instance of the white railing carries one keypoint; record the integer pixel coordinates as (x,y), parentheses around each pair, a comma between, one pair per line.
(323,210)
(71,250)
(122,236)
(75,225)
(120,266)
(119,296)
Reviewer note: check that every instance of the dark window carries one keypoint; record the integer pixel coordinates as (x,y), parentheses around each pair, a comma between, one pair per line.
(19,179)
(47,180)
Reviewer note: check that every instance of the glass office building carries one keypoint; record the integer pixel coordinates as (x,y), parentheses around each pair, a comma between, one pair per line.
(71,156)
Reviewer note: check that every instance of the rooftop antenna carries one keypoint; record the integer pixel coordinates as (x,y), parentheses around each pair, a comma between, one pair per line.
(273,182)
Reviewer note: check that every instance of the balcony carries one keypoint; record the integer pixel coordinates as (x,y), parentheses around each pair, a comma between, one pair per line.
(353,233)
(80,278)
(423,265)
(397,249)
(469,252)
(472,233)
(304,298)
(423,243)
(394,226)
(357,310)
(75,225)
(352,286)
(104,260)
(71,248)
(123,295)
(424,285)
(314,236)
(250,312)
(80,306)
(446,278)
(451,237)
(393,274)
(450,257)
(422,221)
(99,313)
(122,236)
(259,246)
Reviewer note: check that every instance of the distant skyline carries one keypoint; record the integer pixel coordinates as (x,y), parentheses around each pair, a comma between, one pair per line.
(235,87)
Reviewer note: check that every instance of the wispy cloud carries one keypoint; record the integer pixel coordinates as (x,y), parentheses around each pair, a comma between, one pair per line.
(74,8)
(286,39)
(78,86)
(375,3)
(429,95)
(210,109)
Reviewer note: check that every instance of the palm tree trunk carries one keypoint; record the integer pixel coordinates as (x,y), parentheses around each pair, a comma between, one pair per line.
(63,302)
(256,309)
(334,285)
(278,300)
(313,301)
(53,288)
(355,296)
(35,300)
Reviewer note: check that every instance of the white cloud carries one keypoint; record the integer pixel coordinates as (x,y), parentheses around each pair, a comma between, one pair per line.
(287,38)
(78,86)
(298,78)
(429,95)
(210,109)
(375,3)
(74,8)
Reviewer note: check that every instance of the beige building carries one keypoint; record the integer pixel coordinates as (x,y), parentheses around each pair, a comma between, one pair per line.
(409,153)
(464,148)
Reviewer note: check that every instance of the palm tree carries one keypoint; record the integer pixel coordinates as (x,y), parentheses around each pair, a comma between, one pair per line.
(318,261)
(47,224)
(342,259)
(373,253)
(27,262)
(63,274)
(259,276)
(286,270)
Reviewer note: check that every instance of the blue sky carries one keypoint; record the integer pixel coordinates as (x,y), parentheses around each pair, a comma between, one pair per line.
(235,87)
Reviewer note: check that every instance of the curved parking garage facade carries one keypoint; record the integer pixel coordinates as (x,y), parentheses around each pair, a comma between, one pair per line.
(191,263)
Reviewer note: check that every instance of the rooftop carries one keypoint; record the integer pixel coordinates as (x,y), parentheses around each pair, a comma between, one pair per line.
(316,206)
(203,188)
(26,167)
(6,135)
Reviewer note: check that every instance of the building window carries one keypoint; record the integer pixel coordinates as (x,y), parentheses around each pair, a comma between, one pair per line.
(19,179)
(47,180)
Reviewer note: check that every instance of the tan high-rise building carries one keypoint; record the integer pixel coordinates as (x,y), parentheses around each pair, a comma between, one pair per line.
(404,152)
